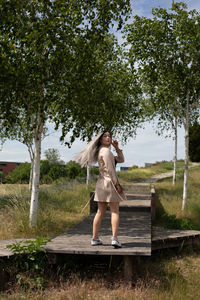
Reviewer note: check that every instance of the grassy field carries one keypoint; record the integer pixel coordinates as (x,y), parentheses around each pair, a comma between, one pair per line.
(59,209)
(170,274)
(167,275)
(135,174)
(169,202)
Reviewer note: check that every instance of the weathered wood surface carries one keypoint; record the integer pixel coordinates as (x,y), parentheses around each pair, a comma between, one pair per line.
(134,234)
(169,238)
(136,200)
(161,238)
(137,188)
(134,230)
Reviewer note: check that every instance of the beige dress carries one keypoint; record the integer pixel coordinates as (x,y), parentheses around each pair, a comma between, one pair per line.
(105,188)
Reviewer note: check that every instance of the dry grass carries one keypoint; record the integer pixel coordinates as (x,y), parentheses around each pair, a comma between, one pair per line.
(169,198)
(170,275)
(163,276)
(59,209)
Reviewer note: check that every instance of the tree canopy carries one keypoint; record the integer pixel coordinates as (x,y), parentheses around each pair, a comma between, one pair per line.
(165,50)
(47,71)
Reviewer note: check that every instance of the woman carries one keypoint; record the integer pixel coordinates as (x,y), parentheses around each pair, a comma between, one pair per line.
(108,189)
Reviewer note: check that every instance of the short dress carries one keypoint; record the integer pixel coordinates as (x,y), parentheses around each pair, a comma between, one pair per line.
(105,188)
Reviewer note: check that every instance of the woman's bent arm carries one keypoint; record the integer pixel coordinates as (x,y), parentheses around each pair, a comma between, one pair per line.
(120,156)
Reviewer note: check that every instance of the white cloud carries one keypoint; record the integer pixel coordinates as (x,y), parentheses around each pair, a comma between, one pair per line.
(147,147)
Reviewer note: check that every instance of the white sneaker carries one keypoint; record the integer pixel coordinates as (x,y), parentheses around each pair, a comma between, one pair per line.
(96,242)
(115,243)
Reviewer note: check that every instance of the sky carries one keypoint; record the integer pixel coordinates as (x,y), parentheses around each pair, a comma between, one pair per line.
(146,147)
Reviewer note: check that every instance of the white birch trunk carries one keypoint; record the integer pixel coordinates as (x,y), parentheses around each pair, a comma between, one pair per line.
(88,181)
(31,176)
(175,151)
(185,184)
(36,173)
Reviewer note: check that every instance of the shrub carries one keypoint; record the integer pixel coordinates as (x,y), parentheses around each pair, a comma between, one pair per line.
(172,222)
(74,170)
(29,262)
(57,171)
(44,167)
(20,174)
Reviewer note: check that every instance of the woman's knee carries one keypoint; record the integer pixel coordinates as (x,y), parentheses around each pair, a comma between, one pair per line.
(114,207)
(101,209)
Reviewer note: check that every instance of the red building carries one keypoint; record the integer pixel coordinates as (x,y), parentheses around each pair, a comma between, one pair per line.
(7,167)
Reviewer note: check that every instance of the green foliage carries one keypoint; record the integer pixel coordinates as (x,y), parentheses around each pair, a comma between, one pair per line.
(138,174)
(52,155)
(49,172)
(169,198)
(29,261)
(172,222)
(74,170)
(20,174)
(194,142)
(59,67)
(44,167)
(108,92)
(165,50)
(57,171)
(30,247)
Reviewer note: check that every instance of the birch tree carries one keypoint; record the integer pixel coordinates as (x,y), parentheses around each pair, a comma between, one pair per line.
(106,97)
(43,49)
(166,123)
(23,133)
(166,50)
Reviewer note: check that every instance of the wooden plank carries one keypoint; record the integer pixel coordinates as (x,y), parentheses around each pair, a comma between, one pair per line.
(133,196)
(169,238)
(136,203)
(128,268)
(134,234)
(160,233)
(134,230)
(137,188)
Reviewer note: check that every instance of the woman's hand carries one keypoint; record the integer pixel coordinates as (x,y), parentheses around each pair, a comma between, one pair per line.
(118,188)
(115,144)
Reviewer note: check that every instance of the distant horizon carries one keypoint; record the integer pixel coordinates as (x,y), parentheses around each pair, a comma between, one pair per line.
(147,147)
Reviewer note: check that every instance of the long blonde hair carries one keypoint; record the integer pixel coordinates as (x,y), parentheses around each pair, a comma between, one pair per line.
(89,155)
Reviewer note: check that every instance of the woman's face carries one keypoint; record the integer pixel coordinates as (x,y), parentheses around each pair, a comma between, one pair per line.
(106,139)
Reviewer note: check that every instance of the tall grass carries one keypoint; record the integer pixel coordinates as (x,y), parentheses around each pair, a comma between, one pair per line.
(135,174)
(165,275)
(169,199)
(59,209)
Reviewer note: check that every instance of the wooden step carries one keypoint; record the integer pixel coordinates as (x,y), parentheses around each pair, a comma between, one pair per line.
(137,188)
(138,196)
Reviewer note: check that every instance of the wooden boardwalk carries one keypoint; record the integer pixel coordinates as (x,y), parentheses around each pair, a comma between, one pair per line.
(134,230)
(170,238)
(136,234)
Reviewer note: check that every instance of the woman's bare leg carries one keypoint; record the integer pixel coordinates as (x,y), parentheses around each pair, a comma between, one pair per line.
(98,218)
(114,209)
